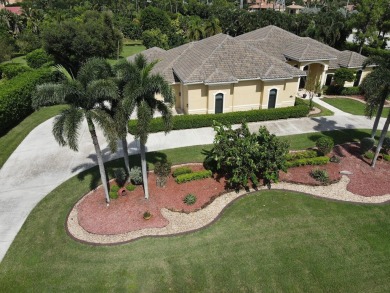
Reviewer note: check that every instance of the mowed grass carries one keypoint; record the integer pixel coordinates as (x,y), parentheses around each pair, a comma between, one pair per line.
(324,111)
(271,241)
(129,48)
(10,141)
(351,106)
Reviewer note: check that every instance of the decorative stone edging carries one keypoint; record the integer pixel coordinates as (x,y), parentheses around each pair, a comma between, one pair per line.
(180,223)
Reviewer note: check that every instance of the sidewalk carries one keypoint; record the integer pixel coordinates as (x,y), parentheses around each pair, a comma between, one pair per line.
(39,164)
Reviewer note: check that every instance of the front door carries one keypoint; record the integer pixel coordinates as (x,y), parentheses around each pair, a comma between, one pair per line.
(272,99)
(218,103)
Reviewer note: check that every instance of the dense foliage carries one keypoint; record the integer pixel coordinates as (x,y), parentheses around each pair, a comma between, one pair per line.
(241,155)
(15,96)
(38,58)
(73,41)
(193,176)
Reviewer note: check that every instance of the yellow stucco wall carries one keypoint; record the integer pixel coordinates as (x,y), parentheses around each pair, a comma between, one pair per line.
(177,93)
(286,92)
(241,96)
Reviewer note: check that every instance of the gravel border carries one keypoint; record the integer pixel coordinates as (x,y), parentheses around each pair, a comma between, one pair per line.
(181,223)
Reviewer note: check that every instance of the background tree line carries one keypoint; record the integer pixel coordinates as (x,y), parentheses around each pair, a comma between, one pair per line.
(170,23)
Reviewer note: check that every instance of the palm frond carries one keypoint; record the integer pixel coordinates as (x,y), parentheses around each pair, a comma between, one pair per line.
(107,124)
(66,127)
(47,94)
(94,69)
(102,90)
(166,113)
(68,75)
(144,116)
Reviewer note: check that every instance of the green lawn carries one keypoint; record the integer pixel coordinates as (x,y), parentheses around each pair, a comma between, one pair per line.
(10,141)
(350,106)
(129,48)
(272,241)
(324,111)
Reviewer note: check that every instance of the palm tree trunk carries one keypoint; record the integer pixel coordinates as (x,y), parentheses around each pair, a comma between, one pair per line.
(99,156)
(377,118)
(144,171)
(126,156)
(381,139)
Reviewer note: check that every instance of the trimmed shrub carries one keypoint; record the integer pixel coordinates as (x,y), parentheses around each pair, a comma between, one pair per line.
(15,96)
(120,176)
(309,161)
(386,144)
(301,155)
(366,144)
(320,175)
(386,157)
(38,58)
(136,175)
(130,187)
(369,155)
(324,145)
(114,192)
(10,70)
(181,170)
(189,199)
(162,169)
(193,176)
(350,91)
(207,120)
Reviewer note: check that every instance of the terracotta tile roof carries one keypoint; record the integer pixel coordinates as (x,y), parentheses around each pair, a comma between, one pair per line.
(14,9)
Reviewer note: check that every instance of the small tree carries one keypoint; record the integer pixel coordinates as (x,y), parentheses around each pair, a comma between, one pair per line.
(241,155)
(342,75)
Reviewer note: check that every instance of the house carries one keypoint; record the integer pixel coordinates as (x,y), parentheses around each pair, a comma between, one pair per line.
(261,69)
(257,5)
(13,9)
(294,9)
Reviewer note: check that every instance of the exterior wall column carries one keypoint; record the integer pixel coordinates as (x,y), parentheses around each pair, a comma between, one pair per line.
(323,76)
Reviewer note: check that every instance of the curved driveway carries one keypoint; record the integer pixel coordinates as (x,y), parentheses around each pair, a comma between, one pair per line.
(39,165)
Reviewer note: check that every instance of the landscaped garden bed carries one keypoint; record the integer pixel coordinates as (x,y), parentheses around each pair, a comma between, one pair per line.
(125,214)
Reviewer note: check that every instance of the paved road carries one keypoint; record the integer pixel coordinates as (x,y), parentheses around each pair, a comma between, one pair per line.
(39,165)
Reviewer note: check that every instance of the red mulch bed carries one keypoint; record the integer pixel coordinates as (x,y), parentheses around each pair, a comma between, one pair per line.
(125,214)
(364,181)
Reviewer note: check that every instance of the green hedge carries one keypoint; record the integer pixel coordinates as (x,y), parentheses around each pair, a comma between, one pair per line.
(193,176)
(38,58)
(15,97)
(309,161)
(181,171)
(10,70)
(301,155)
(351,91)
(206,120)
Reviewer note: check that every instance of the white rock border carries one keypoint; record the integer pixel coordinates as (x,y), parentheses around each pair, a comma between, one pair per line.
(184,223)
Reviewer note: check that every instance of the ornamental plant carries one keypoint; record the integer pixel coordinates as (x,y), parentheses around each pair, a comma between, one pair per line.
(324,145)
(241,155)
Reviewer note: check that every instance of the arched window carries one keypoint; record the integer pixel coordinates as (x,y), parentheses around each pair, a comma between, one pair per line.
(218,103)
(272,98)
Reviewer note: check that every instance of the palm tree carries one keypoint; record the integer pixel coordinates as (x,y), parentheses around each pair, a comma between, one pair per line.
(376,88)
(140,93)
(124,73)
(212,27)
(84,96)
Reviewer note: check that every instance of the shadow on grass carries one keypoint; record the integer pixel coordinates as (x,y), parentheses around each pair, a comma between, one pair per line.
(341,136)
